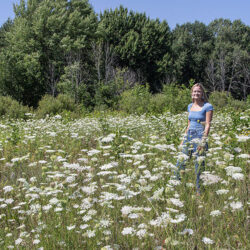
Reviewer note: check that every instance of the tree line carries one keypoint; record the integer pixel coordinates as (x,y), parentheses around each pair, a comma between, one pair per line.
(61,46)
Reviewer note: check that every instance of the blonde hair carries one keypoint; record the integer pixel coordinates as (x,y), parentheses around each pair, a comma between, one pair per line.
(204,96)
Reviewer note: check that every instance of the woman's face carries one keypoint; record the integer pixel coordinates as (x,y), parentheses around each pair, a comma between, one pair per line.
(197,93)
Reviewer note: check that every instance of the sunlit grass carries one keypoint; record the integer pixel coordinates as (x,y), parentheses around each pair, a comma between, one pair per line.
(107,182)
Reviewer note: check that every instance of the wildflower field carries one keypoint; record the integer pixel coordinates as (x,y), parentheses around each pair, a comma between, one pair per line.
(107,182)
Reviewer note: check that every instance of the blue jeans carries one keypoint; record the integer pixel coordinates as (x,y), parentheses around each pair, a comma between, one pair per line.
(190,145)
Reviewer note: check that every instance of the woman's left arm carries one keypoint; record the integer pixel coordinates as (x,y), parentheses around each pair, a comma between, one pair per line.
(209,116)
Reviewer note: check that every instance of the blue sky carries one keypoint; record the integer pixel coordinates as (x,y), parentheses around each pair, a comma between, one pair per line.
(173,11)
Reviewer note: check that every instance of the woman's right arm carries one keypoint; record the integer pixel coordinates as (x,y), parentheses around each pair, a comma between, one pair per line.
(186,130)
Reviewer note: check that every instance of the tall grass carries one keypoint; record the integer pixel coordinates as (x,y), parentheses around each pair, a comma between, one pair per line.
(107,182)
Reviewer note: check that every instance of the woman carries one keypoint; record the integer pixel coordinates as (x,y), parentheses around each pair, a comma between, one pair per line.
(195,141)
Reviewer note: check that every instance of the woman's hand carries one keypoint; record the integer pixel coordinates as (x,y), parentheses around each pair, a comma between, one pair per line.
(200,149)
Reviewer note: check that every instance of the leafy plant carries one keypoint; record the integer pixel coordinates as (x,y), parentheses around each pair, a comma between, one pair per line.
(50,105)
(12,108)
(136,100)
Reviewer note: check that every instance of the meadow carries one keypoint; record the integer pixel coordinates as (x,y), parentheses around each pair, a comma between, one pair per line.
(106,181)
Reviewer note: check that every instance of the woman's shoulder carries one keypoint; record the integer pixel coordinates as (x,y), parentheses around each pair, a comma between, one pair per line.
(208,106)
(189,106)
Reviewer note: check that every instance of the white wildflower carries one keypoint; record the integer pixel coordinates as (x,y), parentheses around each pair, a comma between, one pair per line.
(36,241)
(18,241)
(15,159)
(222,191)
(242,138)
(141,233)
(86,218)
(187,231)
(142,225)
(231,170)
(209,179)
(33,179)
(9,201)
(108,247)
(54,201)
(42,161)
(84,226)
(90,233)
(69,228)
(103,173)
(109,165)
(174,182)
(215,213)
(200,159)
(58,209)
(70,179)
(182,157)
(238,150)
(104,223)
(128,230)
(179,218)
(244,156)
(176,202)
(7,189)
(59,117)
(108,138)
(189,184)
(236,205)
(133,216)
(158,194)
(207,240)
(47,207)
(93,152)
(238,176)
(89,189)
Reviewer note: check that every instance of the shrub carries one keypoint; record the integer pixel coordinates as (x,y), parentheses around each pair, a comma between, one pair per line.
(106,95)
(136,100)
(248,100)
(224,100)
(50,105)
(158,103)
(177,98)
(220,99)
(239,105)
(12,108)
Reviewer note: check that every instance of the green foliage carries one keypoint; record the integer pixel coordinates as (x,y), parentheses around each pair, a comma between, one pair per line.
(248,100)
(15,134)
(177,98)
(219,99)
(12,108)
(61,46)
(139,43)
(158,104)
(72,84)
(108,94)
(105,96)
(239,105)
(191,47)
(45,37)
(62,104)
(224,100)
(136,100)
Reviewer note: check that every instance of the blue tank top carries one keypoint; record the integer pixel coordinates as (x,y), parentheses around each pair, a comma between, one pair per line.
(196,117)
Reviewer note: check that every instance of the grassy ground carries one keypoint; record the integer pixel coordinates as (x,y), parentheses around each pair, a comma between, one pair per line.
(106,182)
